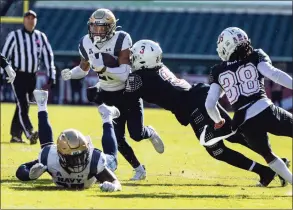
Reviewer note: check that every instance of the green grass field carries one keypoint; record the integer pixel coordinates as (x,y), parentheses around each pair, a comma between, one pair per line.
(185,176)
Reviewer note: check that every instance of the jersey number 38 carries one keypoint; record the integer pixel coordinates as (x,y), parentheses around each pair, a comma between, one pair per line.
(242,82)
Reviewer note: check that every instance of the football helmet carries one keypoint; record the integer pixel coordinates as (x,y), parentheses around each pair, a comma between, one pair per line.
(145,54)
(228,40)
(101,25)
(73,150)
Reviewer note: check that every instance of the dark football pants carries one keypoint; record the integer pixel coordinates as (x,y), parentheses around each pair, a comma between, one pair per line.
(274,120)
(220,151)
(23,87)
(133,117)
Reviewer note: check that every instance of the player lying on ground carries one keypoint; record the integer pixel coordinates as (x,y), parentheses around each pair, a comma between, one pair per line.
(241,77)
(155,83)
(106,51)
(8,69)
(73,162)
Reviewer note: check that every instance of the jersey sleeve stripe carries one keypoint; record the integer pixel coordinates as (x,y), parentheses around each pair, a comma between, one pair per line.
(45,154)
(82,50)
(119,43)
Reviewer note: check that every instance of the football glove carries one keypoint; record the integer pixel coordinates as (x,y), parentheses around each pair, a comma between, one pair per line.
(37,170)
(11,74)
(108,187)
(66,74)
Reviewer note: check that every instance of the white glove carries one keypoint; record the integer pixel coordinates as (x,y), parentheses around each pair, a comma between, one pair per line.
(66,74)
(11,74)
(108,187)
(37,170)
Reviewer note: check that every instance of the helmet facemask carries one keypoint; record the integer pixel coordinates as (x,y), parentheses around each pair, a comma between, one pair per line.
(74,163)
(101,26)
(73,150)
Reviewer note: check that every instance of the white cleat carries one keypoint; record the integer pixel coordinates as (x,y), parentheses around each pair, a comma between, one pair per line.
(41,96)
(157,141)
(140,173)
(107,111)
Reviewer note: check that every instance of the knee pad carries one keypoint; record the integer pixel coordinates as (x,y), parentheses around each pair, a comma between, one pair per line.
(217,150)
(94,95)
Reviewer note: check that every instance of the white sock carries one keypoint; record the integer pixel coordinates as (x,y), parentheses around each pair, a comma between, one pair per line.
(42,107)
(139,168)
(280,168)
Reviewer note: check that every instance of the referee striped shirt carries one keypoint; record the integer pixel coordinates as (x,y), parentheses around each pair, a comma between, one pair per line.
(26,49)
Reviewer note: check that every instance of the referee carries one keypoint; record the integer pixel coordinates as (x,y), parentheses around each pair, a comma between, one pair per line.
(25,48)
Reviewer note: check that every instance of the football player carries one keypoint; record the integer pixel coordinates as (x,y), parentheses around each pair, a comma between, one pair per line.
(101,43)
(241,77)
(155,83)
(73,162)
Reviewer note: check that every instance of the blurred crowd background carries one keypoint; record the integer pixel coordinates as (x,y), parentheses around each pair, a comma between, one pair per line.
(186,31)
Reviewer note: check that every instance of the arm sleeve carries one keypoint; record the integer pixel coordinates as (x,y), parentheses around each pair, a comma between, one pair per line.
(274,74)
(9,45)
(214,94)
(133,87)
(23,170)
(121,73)
(48,57)
(3,62)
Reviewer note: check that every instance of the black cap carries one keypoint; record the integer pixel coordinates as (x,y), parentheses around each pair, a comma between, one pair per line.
(30,12)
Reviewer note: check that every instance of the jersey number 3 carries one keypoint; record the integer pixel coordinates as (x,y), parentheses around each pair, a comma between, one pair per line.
(242,82)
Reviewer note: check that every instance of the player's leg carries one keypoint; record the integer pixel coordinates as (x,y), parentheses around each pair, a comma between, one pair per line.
(109,141)
(258,139)
(16,128)
(281,122)
(123,147)
(16,125)
(220,152)
(45,129)
(138,131)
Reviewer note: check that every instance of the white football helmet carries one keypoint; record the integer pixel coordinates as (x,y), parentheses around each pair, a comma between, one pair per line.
(145,54)
(228,40)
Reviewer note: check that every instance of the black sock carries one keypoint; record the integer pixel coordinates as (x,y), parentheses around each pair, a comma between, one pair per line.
(127,152)
(260,169)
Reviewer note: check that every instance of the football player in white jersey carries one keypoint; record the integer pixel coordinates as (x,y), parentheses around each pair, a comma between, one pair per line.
(106,51)
(73,162)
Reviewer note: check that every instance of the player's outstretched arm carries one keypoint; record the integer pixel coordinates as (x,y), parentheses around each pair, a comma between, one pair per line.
(77,72)
(30,171)
(275,74)
(214,94)
(108,180)
(7,67)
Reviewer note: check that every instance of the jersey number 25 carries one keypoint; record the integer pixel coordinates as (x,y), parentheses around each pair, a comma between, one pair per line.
(242,82)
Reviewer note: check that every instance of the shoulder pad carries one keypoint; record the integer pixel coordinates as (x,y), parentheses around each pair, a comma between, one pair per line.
(262,56)
(214,72)
(81,48)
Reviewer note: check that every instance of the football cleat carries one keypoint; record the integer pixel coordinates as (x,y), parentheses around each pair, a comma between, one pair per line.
(107,111)
(34,137)
(156,141)
(266,179)
(15,139)
(140,173)
(41,97)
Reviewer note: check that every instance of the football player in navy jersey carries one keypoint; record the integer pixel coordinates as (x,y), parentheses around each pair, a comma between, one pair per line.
(241,77)
(100,50)
(155,83)
(73,162)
